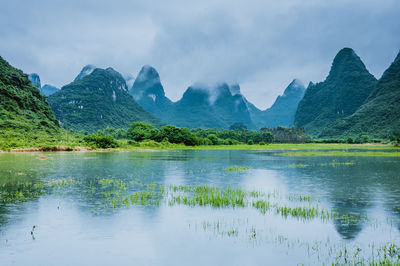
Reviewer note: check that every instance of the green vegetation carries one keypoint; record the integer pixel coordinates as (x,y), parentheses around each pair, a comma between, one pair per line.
(24,112)
(341,153)
(98,101)
(140,131)
(116,193)
(345,89)
(209,108)
(101,141)
(237,168)
(113,193)
(288,134)
(233,137)
(379,115)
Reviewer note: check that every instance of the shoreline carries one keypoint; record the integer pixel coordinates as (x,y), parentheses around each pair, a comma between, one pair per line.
(269,147)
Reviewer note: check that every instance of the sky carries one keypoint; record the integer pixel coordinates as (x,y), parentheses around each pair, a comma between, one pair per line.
(262,45)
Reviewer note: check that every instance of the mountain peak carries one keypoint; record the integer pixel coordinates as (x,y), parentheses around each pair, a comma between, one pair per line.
(295,87)
(147,84)
(148,73)
(235,89)
(397,57)
(86,70)
(35,79)
(346,61)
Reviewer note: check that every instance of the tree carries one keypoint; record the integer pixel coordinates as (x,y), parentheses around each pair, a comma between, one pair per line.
(238,126)
(139,131)
(395,136)
(178,135)
(214,139)
(101,141)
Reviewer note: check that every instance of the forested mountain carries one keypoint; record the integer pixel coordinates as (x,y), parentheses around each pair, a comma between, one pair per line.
(22,106)
(345,89)
(86,70)
(149,93)
(379,116)
(97,100)
(214,107)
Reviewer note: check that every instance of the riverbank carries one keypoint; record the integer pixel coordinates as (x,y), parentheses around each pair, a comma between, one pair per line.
(305,149)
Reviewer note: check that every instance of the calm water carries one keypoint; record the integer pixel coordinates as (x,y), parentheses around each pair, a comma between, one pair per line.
(75,227)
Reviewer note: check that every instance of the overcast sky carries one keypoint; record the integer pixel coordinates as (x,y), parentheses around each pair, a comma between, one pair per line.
(262,45)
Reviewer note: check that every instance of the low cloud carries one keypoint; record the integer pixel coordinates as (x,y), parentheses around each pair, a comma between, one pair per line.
(262,45)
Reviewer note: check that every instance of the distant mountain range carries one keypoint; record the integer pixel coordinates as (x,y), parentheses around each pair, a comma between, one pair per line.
(213,107)
(349,102)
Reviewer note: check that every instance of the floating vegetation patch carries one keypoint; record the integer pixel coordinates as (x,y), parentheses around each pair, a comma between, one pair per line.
(340,153)
(109,194)
(333,163)
(236,168)
(14,192)
(113,193)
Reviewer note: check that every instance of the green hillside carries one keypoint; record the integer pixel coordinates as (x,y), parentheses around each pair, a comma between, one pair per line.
(380,115)
(23,109)
(96,101)
(345,89)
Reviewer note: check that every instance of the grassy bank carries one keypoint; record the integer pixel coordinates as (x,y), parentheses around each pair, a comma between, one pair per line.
(70,142)
(295,149)
(273,147)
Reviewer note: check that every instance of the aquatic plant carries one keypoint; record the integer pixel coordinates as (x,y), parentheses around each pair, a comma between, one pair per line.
(236,168)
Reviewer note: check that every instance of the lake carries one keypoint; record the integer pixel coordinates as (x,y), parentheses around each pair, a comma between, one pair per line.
(214,207)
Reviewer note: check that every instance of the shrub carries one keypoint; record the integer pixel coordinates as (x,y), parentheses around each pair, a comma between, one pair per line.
(149,143)
(214,139)
(350,140)
(178,135)
(364,139)
(206,141)
(139,131)
(101,141)
(261,143)
(250,142)
(395,136)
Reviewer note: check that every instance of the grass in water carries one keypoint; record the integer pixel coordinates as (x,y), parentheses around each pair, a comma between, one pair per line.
(236,168)
(340,153)
(114,193)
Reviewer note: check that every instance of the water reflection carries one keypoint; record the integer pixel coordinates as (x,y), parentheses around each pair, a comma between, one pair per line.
(350,186)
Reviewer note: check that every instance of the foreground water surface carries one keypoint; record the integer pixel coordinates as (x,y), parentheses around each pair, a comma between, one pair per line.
(158,208)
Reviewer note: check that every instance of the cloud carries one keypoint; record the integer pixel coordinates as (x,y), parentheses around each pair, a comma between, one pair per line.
(262,45)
